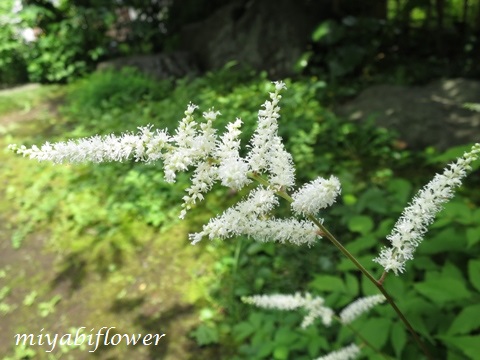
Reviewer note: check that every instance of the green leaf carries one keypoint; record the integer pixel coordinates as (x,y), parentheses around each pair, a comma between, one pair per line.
(243,330)
(281,353)
(450,155)
(473,236)
(367,287)
(401,190)
(376,331)
(205,335)
(466,321)
(467,344)
(361,224)
(449,239)
(327,283)
(398,338)
(373,199)
(459,211)
(283,336)
(474,273)
(351,283)
(328,32)
(441,290)
(362,243)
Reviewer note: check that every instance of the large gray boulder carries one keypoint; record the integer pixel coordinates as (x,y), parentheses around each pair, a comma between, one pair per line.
(431,115)
(265,35)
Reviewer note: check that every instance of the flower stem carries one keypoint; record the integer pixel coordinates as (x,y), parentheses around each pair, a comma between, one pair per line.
(362,338)
(379,284)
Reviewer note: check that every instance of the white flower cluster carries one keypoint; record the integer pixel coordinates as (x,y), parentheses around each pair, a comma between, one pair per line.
(267,151)
(214,159)
(249,218)
(360,306)
(313,305)
(144,146)
(409,229)
(316,195)
(347,353)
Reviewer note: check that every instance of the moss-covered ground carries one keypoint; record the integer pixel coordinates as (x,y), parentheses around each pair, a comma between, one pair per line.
(157,288)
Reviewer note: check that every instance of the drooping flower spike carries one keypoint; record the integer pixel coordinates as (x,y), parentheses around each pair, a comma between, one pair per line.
(412,225)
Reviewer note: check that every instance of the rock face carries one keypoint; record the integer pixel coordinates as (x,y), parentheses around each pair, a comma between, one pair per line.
(431,115)
(266,35)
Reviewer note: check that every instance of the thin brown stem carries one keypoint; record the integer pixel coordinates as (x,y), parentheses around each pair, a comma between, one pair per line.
(362,338)
(379,284)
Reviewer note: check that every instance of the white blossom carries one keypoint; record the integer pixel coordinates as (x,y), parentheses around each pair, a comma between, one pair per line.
(249,218)
(359,307)
(347,353)
(267,151)
(314,306)
(276,301)
(193,145)
(98,149)
(232,169)
(408,231)
(316,195)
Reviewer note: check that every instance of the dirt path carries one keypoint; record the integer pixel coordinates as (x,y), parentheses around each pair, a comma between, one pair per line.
(43,291)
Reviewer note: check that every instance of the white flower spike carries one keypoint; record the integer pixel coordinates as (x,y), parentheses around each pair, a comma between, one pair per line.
(316,195)
(359,307)
(347,353)
(408,232)
(313,305)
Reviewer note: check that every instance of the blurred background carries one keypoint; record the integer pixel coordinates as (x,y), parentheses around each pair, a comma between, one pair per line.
(381,93)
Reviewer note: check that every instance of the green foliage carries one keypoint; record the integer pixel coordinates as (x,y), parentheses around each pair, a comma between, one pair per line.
(71,40)
(12,64)
(93,213)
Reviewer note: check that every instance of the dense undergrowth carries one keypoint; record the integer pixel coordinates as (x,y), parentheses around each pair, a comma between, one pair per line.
(92,213)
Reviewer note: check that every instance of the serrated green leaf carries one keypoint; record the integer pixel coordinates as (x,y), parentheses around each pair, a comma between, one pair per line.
(361,224)
(398,338)
(474,273)
(466,321)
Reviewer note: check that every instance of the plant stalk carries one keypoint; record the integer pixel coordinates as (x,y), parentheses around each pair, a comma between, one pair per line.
(379,284)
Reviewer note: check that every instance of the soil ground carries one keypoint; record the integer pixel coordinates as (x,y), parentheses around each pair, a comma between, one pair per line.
(42,291)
